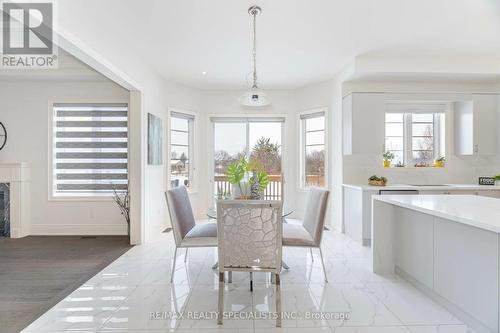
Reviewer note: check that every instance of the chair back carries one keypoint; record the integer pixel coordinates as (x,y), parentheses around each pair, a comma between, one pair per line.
(181,213)
(314,217)
(249,235)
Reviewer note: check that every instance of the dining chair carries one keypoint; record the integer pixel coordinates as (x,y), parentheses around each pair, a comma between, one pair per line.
(249,238)
(186,232)
(308,232)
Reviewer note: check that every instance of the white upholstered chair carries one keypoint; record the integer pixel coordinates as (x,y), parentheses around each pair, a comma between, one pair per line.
(309,231)
(186,232)
(249,236)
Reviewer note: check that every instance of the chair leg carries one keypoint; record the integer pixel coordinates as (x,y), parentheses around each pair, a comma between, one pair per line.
(278,301)
(173,266)
(323,263)
(221,298)
(186,254)
(312,257)
(251,281)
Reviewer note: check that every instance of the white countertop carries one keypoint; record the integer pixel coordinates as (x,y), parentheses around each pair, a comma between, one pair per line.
(444,187)
(477,211)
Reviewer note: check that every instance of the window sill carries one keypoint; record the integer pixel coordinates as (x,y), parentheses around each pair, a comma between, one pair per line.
(82,198)
(415,168)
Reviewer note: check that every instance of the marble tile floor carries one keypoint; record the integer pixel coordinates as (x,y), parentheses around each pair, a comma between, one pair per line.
(134,294)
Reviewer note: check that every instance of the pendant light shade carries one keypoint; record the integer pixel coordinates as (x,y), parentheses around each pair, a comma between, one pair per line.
(254,97)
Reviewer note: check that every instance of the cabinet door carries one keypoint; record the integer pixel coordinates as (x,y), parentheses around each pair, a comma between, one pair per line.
(363,123)
(485,123)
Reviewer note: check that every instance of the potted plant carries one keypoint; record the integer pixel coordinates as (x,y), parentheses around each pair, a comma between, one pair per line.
(245,176)
(388,157)
(439,163)
(377,181)
(497,180)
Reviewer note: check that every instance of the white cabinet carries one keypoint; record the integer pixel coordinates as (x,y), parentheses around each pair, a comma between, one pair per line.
(466,269)
(475,125)
(363,121)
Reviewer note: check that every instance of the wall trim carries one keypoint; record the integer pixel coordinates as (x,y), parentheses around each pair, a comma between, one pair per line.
(78,229)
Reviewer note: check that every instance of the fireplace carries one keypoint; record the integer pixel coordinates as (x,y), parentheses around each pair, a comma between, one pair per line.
(4,210)
(15,213)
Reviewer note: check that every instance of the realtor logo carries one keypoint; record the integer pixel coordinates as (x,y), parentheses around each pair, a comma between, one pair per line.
(27,35)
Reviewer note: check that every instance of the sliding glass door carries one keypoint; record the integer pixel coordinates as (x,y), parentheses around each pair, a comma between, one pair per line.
(257,139)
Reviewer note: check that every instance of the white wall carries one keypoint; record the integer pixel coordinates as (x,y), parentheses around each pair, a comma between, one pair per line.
(24,109)
(156,183)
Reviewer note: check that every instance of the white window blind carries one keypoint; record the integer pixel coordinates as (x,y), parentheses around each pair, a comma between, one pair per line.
(90,144)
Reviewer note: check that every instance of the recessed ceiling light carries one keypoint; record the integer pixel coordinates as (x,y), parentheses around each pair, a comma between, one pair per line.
(203,73)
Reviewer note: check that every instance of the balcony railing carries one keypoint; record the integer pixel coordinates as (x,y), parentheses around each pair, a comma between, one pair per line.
(273,190)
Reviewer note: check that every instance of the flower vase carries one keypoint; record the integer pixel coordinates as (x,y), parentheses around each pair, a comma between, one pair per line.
(255,188)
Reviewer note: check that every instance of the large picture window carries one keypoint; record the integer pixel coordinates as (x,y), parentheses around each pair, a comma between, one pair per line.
(255,139)
(89,149)
(181,149)
(416,134)
(313,137)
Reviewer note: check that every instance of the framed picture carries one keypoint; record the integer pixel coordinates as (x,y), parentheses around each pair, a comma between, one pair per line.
(154,140)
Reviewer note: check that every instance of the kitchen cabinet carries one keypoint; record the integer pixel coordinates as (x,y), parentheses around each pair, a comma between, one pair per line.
(476,125)
(363,127)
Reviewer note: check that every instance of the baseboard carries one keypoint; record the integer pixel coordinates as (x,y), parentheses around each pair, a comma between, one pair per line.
(78,229)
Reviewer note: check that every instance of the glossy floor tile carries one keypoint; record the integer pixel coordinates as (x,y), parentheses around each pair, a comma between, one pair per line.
(134,294)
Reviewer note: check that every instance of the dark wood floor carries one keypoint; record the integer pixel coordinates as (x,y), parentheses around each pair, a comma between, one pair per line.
(36,272)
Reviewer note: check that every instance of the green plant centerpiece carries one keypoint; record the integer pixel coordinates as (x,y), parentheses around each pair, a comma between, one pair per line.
(377,181)
(388,157)
(497,180)
(244,175)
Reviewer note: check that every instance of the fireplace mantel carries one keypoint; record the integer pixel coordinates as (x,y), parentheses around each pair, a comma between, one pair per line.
(18,175)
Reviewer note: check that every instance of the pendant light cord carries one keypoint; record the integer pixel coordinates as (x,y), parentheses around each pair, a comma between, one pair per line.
(254,52)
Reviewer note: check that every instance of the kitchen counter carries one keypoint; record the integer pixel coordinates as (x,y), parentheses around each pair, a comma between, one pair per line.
(358,202)
(448,246)
(402,187)
(477,211)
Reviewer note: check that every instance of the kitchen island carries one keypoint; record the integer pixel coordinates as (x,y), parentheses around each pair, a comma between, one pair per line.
(448,246)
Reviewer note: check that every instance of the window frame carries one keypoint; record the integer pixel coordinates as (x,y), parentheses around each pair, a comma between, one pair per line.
(247,119)
(408,109)
(301,118)
(191,117)
(51,152)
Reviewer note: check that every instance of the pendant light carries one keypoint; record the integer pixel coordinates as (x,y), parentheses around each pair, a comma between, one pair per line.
(254,97)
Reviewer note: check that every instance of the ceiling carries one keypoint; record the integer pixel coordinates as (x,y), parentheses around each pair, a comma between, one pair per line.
(299,42)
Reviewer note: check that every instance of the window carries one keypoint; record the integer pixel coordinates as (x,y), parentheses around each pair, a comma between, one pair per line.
(313,129)
(181,149)
(89,149)
(415,134)
(256,139)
